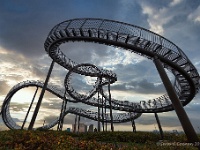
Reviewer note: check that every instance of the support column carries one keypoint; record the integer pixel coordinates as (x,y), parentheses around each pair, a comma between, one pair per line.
(41,97)
(133,125)
(111,116)
(102,112)
(79,122)
(75,124)
(29,108)
(106,122)
(106,118)
(61,118)
(185,122)
(98,113)
(159,126)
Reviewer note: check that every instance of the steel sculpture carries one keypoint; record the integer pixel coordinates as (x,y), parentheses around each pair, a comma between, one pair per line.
(118,118)
(163,52)
(134,39)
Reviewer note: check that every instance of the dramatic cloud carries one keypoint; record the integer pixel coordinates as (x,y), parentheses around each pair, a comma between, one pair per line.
(142,86)
(195,16)
(25,26)
(3,88)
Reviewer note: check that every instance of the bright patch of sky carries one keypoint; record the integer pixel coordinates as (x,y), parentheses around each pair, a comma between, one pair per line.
(22,54)
(119,56)
(195,16)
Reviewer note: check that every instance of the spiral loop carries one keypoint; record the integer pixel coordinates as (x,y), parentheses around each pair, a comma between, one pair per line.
(118,34)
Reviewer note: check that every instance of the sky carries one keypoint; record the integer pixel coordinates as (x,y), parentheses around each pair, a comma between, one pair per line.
(24,27)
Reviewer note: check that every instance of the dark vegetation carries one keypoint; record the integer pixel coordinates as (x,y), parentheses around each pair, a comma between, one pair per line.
(59,140)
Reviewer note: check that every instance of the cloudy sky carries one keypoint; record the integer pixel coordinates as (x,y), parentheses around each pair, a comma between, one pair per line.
(24,27)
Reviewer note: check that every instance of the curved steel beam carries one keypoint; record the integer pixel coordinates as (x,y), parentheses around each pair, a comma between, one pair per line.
(118,34)
(117,118)
(131,38)
(10,123)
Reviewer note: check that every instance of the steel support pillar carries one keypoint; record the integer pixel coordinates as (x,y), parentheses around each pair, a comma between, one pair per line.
(98,113)
(159,126)
(111,116)
(105,115)
(102,113)
(79,118)
(75,124)
(106,122)
(185,122)
(61,118)
(133,125)
(29,108)
(41,97)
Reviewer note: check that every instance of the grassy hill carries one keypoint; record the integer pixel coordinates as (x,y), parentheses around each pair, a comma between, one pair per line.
(59,140)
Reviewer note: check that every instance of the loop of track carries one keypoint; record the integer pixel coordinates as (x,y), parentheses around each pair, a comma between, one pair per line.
(127,37)
(118,118)
(134,39)
(91,69)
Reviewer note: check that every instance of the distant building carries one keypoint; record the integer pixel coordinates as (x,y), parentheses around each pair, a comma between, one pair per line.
(91,128)
(82,127)
(175,132)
